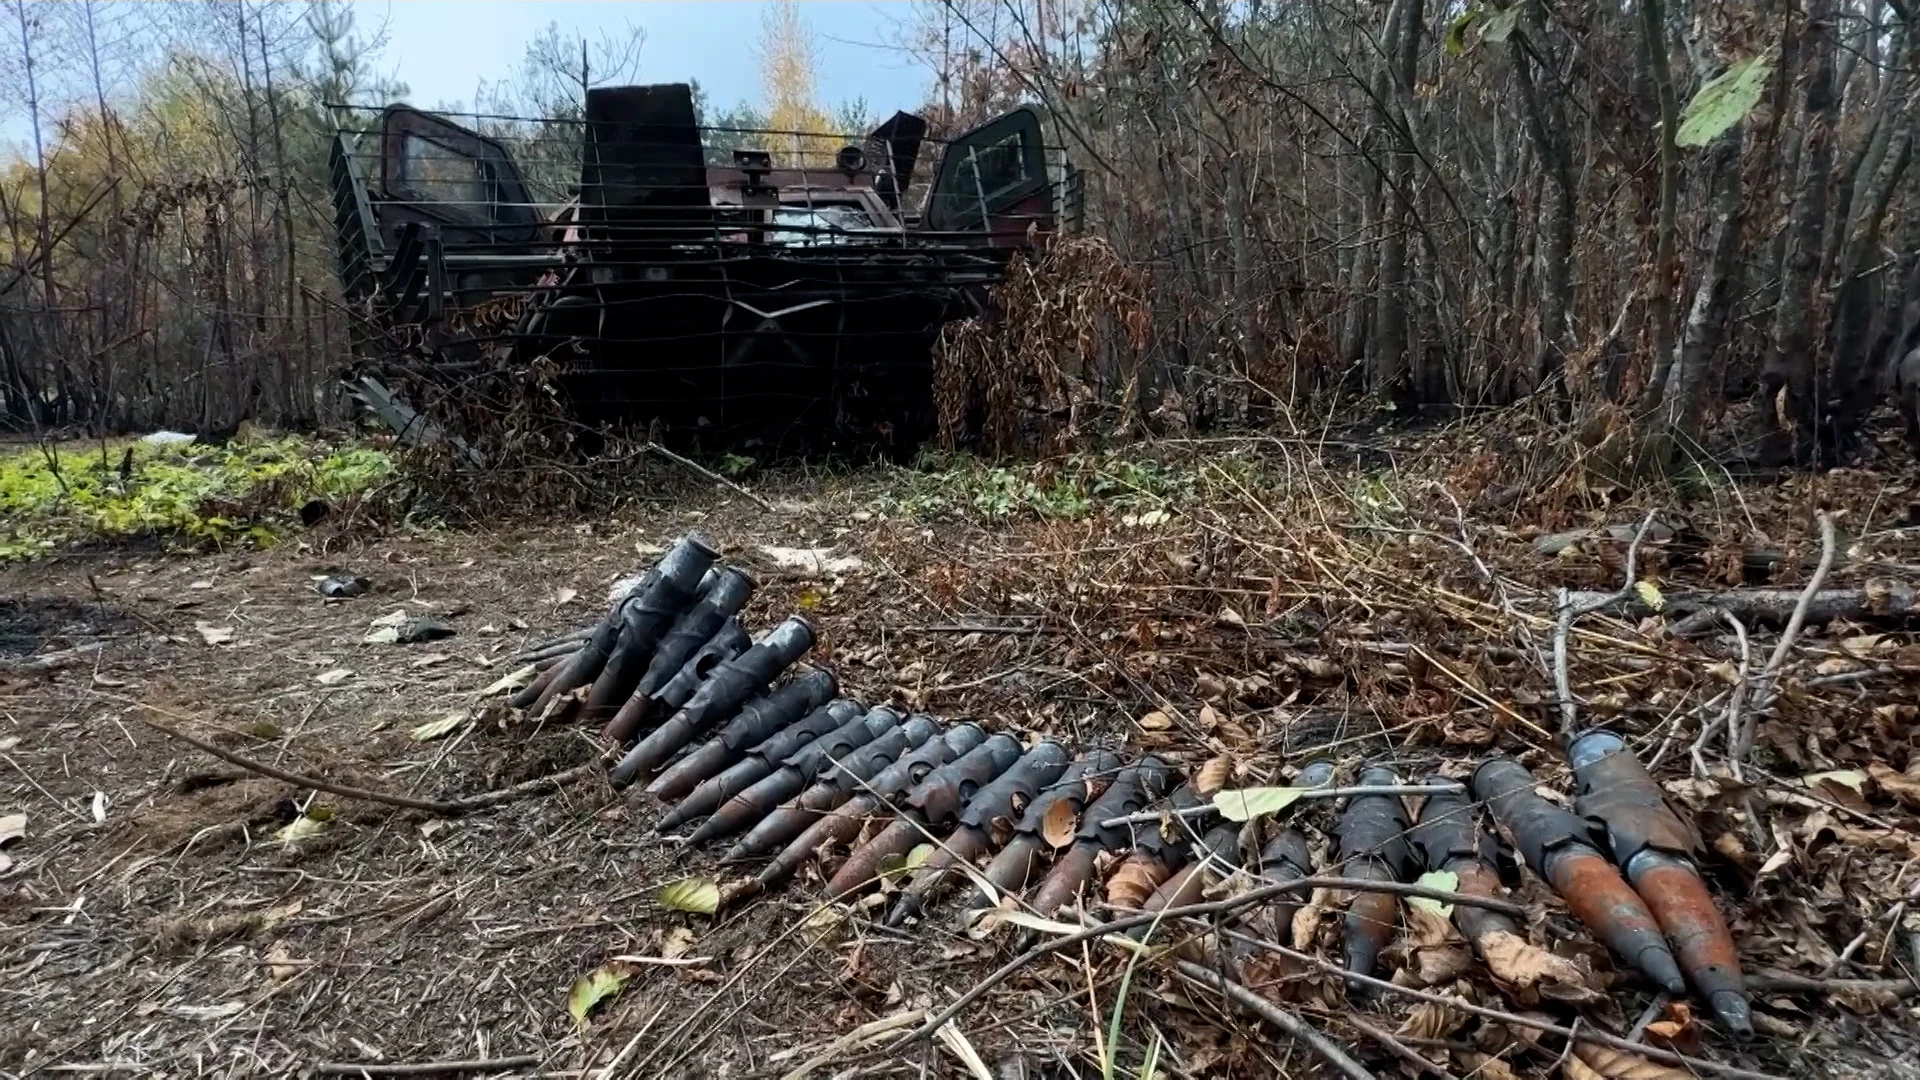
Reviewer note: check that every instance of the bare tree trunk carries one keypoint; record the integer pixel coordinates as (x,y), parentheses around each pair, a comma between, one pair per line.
(1547,126)
(1653,41)
(1394,85)
(1791,363)
(1676,423)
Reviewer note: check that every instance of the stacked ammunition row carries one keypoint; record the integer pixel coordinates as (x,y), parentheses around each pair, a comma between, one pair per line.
(791,773)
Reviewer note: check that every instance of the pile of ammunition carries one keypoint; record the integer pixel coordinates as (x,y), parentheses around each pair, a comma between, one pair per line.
(796,773)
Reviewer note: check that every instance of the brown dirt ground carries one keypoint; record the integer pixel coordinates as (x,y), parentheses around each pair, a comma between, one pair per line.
(177,936)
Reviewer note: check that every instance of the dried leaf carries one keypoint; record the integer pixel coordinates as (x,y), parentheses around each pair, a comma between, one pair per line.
(1060,822)
(1306,920)
(565,596)
(1675,1030)
(281,963)
(678,943)
(1245,804)
(1521,965)
(957,1044)
(1903,786)
(1442,881)
(1485,1066)
(334,677)
(1432,1020)
(214,635)
(12,827)
(696,895)
(1609,1064)
(433,729)
(1214,775)
(1130,885)
(1156,721)
(511,681)
(1848,787)
(594,987)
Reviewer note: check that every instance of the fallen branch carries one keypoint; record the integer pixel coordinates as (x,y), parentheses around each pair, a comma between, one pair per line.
(1397,1048)
(1740,743)
(1786,980)
(53,661)
(1569,610)
(1204,809)
(447,807)
(1291,1023)
(1879,599)
(1209,907)
(702,470)
(1583,1034)
(427,1068)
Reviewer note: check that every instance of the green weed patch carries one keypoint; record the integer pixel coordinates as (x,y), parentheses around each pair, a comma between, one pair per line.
(245,493)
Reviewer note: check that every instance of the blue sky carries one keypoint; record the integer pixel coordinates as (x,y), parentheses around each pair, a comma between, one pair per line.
(441,48)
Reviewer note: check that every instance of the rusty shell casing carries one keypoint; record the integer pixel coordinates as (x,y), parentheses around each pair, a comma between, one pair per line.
(1010,870)
(580,666)
(851,774)
(903,775)
(1622,801)
(793,775)
(750,728)
(996,806)
(836,827)
(1133,788)
(1080,784)
(1070,871)
(945,792)
(590,649)
(728,642)
(542,679)
(930,881)
(1286,857)
(727,688)
(1624,804)
(1372,917)
(1375,827)
(760,762)
(1215,855)
(906,773)
(1136,879)
(791,818)
(1169,840)
(1686,911)
(647,619)
(678,573)
(729,592)
(862,868)
(1449,837)
(1554,844)
(1373,846)
(768,713)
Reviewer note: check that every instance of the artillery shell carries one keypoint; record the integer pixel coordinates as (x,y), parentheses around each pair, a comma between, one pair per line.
(1599,897)
(765,714)
(778,828)
(759,763)
(793,774)
(966,844)
(863,867)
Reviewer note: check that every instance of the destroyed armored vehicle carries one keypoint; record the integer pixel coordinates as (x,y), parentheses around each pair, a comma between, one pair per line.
(735,287)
